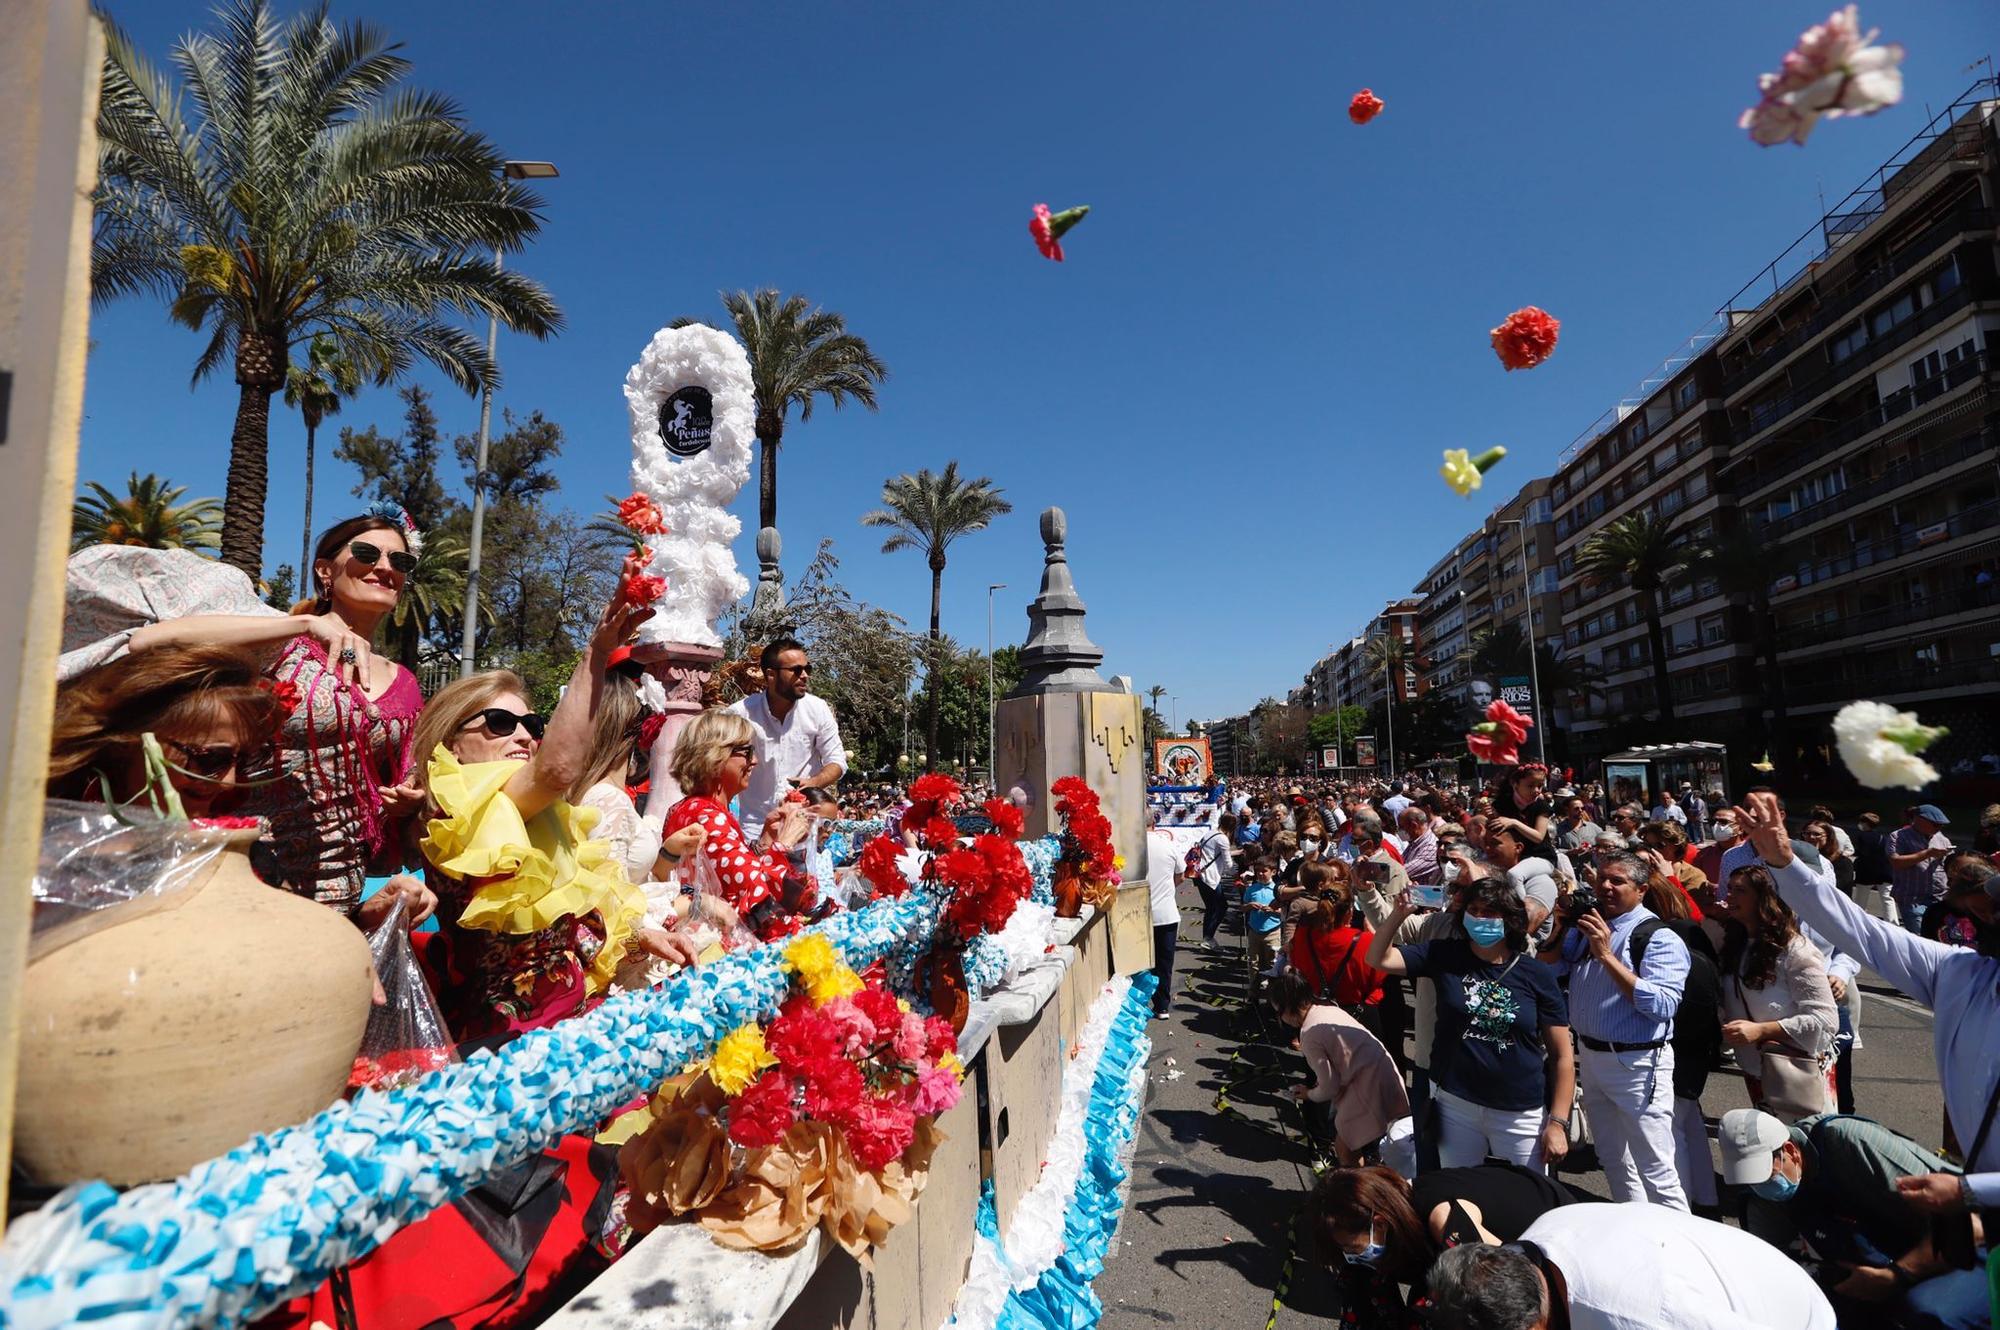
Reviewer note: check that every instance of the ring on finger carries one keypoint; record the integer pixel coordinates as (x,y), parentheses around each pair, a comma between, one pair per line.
(347,656)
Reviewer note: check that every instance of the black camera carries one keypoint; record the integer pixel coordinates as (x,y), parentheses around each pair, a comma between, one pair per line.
(1576,902)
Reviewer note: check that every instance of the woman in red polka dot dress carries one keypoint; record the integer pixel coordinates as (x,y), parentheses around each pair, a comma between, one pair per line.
(712,760)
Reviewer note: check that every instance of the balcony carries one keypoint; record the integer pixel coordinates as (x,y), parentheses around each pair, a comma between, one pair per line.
(1759,419)
(1979,517)
(1860,624)
(1891,479)
(1884,681)
(1914,256)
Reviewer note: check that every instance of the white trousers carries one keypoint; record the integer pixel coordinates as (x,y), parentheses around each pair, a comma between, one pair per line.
(1629,1099)
(1469,1132)
(1691,1158)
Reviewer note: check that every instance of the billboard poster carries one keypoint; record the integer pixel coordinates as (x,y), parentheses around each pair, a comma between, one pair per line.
(1183,761)
(1329,758)
(1518,693)
(1364,750)
(1479,695)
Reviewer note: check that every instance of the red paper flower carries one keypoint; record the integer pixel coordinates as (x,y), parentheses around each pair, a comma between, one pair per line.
(879,1130)
(833,1087)
(1527,338)
(878,865)
(1365,107)
(641,515)
(284,691)
(1007,820)
(649,731)
(936,788)
(940,1038)
(642,589)
(762,1114)
(938,833)
(878,1004)
(801,1038)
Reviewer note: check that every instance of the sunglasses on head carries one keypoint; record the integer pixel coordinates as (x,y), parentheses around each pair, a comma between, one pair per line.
(500,722)
(368,555)
(214,761)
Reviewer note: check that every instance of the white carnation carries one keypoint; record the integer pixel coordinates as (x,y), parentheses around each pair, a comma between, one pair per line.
(1879,744)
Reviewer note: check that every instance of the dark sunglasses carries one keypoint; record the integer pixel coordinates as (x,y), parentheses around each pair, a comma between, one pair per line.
(369,555)
(214,761)
(793,669)
(500,722)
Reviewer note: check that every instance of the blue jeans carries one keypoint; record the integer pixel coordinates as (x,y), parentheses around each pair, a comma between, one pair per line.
(1215,904)
(1954,1300)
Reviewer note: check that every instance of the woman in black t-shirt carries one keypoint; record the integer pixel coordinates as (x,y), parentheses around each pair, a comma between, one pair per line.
(1518,802)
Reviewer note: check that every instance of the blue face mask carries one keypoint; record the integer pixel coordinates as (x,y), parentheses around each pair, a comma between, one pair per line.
(1371,1255)
(1485,932)
(1777,1188)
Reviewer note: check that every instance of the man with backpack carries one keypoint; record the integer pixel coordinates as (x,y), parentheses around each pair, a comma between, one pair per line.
(1212,866)
(1626,977)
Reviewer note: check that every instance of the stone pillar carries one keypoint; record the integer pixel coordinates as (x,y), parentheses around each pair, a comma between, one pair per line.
(682,668)
(1064,719)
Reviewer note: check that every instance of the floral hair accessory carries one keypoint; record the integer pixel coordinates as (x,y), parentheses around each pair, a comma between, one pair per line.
(1049,228)
(388,510)
(1365,107)
(1880,744)
(1833,71)
(1462,471)
(1526,337)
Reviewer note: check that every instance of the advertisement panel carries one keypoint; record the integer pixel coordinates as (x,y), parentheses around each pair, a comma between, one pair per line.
(1329,758)
(1364,750)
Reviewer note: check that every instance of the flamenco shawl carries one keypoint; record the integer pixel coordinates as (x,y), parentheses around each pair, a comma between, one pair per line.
(531,872)
(1040,1274)
(340,760)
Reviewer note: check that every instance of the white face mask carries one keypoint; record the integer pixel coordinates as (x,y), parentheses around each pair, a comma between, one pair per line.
(1308,846)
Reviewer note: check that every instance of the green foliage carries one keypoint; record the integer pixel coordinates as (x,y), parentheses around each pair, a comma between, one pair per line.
(279,183)
(1642,551)
(545,669)
(402,468)
(1338,726)
(149,513)
(282,588)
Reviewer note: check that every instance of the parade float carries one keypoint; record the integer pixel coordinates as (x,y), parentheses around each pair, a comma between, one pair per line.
(916,1112)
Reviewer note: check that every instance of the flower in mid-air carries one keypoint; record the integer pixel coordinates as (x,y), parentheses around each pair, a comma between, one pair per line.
(1833,71)
(1880,744)
(642,589)
(1365,107)
(1463,472)
(1526,337)
(1048,228)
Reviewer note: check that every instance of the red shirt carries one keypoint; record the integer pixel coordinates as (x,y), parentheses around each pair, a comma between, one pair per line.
(1333,961)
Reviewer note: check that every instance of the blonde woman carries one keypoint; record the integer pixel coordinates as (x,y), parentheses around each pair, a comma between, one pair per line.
(712,761)
(534,916)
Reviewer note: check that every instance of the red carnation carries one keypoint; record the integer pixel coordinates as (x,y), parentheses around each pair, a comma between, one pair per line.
(1071,787)
(1007,820)
(878,865)
(879,1130)
(939,833)
(833,1087)
(641,515)
(642,589)
(762,1114)
(284,691)
(962,869)
(649,731)
(1365,107)
(939,1037)
(1503,715)
(936,788)
(1526,339)
(801,1038)
(878,1004)
(1048,228)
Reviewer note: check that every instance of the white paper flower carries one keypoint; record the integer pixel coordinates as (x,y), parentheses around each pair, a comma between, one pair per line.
(652,694)
(1833,71)
(1880,744)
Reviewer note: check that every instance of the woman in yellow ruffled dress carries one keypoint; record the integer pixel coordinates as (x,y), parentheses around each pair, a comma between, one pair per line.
(533,915)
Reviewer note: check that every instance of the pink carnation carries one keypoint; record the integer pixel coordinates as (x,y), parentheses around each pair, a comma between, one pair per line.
(911,1038)
(937,1090)
(857,1032)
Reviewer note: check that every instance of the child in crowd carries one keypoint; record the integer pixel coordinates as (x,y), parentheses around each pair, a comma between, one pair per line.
(1261,916)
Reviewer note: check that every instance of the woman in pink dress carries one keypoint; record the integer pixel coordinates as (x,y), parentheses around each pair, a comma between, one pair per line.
(338,785)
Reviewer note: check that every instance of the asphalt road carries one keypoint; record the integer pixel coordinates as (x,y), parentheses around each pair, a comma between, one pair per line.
(1207,1230)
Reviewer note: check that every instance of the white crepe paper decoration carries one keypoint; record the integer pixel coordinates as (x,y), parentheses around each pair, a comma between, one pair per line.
(693,493)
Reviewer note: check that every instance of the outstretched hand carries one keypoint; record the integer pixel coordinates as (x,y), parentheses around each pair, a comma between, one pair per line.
(1763,824)
(621,618)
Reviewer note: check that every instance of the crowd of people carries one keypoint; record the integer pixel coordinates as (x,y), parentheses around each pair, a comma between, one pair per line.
(1531,969)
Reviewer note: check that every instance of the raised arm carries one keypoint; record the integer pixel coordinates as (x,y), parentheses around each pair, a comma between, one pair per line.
(1382,954)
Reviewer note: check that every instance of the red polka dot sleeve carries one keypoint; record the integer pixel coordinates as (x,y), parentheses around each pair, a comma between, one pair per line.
(747,878)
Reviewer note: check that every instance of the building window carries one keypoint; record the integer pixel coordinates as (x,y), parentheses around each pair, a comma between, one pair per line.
(1851,339)
(1690,444)
(1945,280)
(1697,486)
(1894,313)
(1689,391)
(1714,629)
(1637,435)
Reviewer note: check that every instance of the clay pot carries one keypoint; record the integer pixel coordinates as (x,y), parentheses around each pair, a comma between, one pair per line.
(1068,891)
(946,986)
(153,1045)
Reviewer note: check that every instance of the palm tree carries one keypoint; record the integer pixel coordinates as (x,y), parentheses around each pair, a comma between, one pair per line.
(304,193)
(797,355)
(927,512)
(150,514)
(317,388)
(1500,650)
(1387,654)
(1642,551)
(1741,563)
(434,593)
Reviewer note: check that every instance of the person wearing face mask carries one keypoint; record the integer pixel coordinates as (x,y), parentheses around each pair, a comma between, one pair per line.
(1831,1183)
(1374,1231)
(1501,1060)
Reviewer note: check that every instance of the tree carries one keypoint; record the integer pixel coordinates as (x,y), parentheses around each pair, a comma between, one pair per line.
(317,389)
(1741,563)
(1154,694)
(928,512)
(1642,552)
(403,469)
(797,355)
(150,514)
(282,589)
(1337,728)
(1387,655)
(305,194)
(433,596)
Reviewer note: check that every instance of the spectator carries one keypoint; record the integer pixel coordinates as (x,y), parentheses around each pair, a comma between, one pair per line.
(1574,830)
(1626,819)
(1697,810)
(798,736)
(1261,916)
(1821,813)
(1697,1041)
(1518,804)
(714,760)
(1916,863)
(1708,856)
(1664,847)
(1626,980)
(1331,952)
(1966,910)
(1501,1059)
(1532,874)
(1777,1005)
(1355,1095)
(1213,870)
(1163,878)
(1834,847)
(1831,1182)
(1420,852)
(1625,1267)
(1871,855)
(1669,809)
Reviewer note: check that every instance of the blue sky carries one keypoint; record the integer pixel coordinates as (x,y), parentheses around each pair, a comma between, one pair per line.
(1271,324)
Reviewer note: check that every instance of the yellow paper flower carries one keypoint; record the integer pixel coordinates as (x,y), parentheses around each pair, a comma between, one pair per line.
(739,1058)
(949,1062)
(839,982)
(903,1005)
(1118,862)
(810,955)
(1459,472)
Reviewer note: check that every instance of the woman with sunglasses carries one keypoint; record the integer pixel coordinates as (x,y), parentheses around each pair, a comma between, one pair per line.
(713,759)
(534,916)
(344,751)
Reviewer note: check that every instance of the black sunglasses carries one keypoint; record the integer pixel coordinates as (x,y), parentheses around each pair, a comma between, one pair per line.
(501,722)
(213,761)
(369,555)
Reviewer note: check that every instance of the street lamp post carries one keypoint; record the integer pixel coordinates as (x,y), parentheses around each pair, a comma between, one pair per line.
(469,645)
(1534,670)
(992,754)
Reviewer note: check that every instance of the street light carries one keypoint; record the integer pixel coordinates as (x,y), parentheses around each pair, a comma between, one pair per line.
(469,645)
(992,756)
(1534,671)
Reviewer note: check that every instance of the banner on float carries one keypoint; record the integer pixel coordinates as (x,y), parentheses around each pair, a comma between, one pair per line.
(1364,750)
(1183,761)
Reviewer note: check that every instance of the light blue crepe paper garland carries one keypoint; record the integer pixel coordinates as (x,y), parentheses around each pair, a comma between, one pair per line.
(1041,856)
(1063,1299)
(273,1218)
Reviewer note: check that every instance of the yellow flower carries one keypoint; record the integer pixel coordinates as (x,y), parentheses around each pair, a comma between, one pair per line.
(809,956)
(1118,862)
(949,1062)
(903,1005)
(1459,472)
(838,982)
(738,1059)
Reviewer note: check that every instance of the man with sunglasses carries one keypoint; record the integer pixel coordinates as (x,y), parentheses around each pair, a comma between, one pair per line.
(798,738)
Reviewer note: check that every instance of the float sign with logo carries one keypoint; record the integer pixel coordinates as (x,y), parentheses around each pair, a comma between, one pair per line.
(1183,761)
(687,419)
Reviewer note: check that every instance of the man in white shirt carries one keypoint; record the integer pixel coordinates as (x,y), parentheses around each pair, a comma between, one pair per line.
(1669,809)
(1625,1267)
(798,738)
(1163,875)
